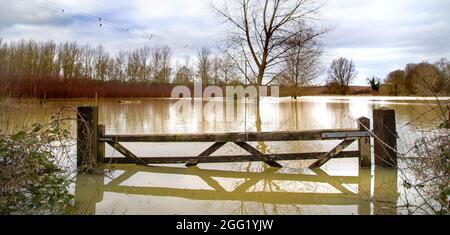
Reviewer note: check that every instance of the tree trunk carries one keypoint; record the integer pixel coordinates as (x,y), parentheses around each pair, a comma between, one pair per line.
(258,84)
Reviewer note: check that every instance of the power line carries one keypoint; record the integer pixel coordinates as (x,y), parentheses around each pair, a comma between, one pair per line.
(89,15)
(98,20)
(102,19)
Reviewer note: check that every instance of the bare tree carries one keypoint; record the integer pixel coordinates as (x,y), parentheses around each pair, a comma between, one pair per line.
(139,66)
(88,60)
(423,79)
(228,71)
(3,57)
(443,66)
(204,65)
(116,67)
(341,74)
(216,65)
(47,55)
(68,55)
(184,73)
(161,64)
(133,66)
(302,63)
(4,78)
(101,64)
(261,30)
(395,84)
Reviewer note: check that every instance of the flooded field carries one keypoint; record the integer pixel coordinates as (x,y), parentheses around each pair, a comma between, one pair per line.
(339,187)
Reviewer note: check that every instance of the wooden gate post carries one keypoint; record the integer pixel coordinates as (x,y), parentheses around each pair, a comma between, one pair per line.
(385,132)
(101,145)
(364,144)
(385,195)
(87,136)
(364,190)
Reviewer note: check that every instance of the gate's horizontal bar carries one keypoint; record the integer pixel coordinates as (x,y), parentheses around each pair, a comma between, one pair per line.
(235,158)
(352,134)
(268,175)
(240,137)
(281,198)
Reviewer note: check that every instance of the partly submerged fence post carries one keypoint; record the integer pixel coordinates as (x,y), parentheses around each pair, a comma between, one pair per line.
(385,132)
(364,144)
(364,190)
(101,145)
(87,137)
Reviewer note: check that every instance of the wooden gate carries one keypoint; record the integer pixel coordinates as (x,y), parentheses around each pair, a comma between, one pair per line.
(91,142)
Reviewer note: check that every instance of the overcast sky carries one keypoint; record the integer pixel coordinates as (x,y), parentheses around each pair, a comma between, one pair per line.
(379,35)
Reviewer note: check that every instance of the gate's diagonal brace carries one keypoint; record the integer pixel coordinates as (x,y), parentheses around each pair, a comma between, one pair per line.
(333,153)
(331,181)
(122,178)
(252,181)
(255,152)
(207,152)
(125,152)
(209,180)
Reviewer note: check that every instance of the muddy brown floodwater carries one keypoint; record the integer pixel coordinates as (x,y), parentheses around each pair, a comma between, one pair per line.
(339,187)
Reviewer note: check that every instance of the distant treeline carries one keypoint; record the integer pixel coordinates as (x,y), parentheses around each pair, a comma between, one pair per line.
(24,59)
(422,79)
(46,69)
(69,70)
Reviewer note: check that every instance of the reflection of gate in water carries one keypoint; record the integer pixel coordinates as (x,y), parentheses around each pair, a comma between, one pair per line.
(89,192)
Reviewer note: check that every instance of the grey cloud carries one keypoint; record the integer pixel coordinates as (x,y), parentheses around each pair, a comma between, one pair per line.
(379,35)
(382,35)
